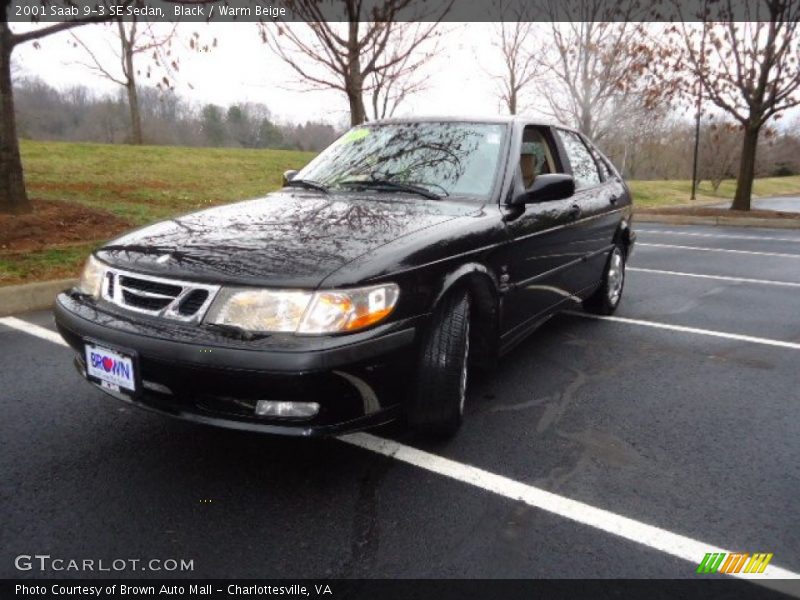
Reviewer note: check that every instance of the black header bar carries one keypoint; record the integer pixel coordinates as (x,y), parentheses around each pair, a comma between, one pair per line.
(214,11)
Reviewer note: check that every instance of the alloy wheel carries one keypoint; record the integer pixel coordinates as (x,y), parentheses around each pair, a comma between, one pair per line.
(615,276)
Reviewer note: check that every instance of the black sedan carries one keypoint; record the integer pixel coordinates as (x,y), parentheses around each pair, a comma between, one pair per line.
(406,253)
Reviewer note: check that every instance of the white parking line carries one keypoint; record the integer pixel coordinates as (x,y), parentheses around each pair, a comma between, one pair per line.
(702,249)
(680,328)
(673,544)
(30,328)
(715,277)
(795,240)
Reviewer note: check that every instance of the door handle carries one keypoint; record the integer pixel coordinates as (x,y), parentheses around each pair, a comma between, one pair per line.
(574,211)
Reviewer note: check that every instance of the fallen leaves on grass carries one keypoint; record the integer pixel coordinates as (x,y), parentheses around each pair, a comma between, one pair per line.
(55,223)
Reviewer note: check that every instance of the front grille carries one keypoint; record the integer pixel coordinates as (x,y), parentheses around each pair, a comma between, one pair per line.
(180,300)
(193,301)
(145,302)
(152,287)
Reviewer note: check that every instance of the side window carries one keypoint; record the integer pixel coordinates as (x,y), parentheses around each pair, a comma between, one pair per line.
(605,171)
(536,156)
(584,169)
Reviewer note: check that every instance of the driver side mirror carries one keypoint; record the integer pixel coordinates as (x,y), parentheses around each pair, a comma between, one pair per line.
(288,176)
(551,186)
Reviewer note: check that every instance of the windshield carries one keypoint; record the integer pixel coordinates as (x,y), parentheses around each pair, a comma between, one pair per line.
(447,158)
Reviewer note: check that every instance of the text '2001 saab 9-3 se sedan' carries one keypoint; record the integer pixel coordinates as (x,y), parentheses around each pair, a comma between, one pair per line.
(363,289)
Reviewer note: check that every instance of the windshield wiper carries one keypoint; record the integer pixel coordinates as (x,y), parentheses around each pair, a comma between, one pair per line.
(308,184)
(394,185)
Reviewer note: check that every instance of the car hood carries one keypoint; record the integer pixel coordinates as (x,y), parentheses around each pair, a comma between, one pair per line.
(292,239)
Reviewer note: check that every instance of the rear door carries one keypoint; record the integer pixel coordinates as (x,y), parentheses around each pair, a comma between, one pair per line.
(596,195)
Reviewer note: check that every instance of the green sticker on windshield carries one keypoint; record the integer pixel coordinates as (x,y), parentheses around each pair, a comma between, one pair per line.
(355,134)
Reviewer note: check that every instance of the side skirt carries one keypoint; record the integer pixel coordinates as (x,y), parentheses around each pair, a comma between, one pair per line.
(511,339)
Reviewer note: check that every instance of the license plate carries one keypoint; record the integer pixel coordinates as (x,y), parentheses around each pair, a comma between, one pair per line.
(114,370)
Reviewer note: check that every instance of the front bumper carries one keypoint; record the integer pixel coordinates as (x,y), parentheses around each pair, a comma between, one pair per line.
(192,373)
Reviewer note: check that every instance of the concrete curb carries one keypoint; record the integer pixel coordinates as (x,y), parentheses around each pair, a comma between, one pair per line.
(31,296)
(727,221)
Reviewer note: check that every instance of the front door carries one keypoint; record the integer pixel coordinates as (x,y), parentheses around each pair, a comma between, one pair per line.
(544,247)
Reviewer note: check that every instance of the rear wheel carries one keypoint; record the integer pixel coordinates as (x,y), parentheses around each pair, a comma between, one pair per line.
(605,299)
(437,404)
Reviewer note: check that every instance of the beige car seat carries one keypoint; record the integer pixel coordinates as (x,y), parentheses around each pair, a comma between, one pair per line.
(527,163)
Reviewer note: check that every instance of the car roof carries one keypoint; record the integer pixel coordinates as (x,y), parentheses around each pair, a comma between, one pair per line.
(502,119)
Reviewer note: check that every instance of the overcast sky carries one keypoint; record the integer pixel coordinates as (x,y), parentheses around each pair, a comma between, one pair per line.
(243,69)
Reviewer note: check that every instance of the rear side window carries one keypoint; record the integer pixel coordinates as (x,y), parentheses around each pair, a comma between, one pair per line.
(606,169)
(602,165)
(584,169)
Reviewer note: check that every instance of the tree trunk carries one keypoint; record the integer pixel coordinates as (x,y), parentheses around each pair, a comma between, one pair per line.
(376,99)
(13,198)
(512,102)
(512,91)
(747,169)
(354,78)
(358,113)
(586,125)
(127,45)
(624,164)
(136,116)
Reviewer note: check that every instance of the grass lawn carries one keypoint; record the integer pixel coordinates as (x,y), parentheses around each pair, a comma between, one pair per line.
(147,183)
(653,194)
(138,185)
(51,263)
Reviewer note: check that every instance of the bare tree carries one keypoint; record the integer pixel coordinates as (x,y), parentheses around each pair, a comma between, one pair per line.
(639,141)
(596,63)
(389,87)
(355,55)
(522,62)
(135,39)
(781,156)
(719,150)
(750,69)
(13,197)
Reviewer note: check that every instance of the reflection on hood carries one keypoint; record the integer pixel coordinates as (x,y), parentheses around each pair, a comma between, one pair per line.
(285,239)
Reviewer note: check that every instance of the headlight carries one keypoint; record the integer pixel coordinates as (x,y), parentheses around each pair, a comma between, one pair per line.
(92,277)
(259,310)
(349,310)
(303,312)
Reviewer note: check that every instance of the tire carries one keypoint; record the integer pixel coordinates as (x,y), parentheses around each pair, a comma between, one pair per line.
(605,300)
(436,406)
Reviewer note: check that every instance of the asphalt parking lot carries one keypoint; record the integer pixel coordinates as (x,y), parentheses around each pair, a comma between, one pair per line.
(679,420)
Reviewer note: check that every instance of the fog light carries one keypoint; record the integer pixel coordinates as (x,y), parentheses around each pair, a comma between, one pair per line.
(156,387)
(274,408)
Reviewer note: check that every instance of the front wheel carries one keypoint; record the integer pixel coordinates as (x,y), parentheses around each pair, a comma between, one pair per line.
(605,299)
(436,405)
